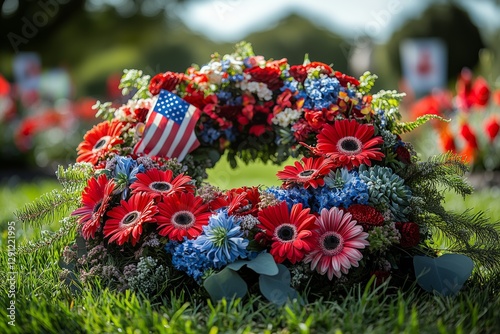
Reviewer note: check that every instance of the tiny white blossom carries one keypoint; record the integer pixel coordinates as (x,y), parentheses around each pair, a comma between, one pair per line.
(286,117)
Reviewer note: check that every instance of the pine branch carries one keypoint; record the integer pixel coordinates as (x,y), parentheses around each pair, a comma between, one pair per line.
(446,170)
(467,233)
(486,259)
(44,208)
(74,177)
(67,227)
(405,127)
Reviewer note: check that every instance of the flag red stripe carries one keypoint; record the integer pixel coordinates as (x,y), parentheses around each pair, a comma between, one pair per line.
(187,134)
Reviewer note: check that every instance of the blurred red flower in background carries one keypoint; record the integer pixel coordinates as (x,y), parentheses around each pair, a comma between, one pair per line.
(474,120)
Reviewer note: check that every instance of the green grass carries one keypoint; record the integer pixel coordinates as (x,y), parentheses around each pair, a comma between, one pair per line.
(44,305)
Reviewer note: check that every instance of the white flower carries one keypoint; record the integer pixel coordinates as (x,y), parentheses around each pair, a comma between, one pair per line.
(235,64)
(258,88)
(286,117)
(124,112)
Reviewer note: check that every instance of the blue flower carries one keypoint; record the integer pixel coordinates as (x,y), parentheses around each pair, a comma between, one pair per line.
(222,240)
(236,78)
(209,134)
(321,92)
(292,195)
(125,172)
(224,95)
(187,258)
(382,118)
(225,64)
(230,134)
(126,169)
(343,188)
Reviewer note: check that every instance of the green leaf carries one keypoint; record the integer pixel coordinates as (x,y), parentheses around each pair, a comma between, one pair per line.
(263,264)
(277,288)
(225,284)
(445,274)
(82,247)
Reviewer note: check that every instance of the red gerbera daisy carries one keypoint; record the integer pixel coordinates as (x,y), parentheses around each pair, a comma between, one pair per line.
(239,201)
(98,141)
(95,199)
(125,220)
(349,143)
(308,173)
(160,184)
(336,244)
(183,215)
(290,232)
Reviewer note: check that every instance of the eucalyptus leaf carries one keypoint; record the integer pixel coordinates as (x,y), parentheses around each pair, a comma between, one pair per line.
(82,247)
(445,274)
(276,288)
(70,280)
(263,264)
(225,284)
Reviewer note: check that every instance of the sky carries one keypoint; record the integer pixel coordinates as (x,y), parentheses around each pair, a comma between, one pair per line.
(232,20)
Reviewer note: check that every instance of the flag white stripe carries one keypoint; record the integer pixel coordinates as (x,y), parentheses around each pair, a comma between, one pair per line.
(151,132)
(188,146)
(181,131)
(158,146)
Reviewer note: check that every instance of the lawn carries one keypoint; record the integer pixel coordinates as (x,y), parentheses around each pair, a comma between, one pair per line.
(44,305)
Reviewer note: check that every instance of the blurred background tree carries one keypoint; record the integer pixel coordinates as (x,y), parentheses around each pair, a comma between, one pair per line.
(449,23)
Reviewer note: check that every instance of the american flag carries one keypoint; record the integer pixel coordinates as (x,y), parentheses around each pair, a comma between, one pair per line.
(169,130)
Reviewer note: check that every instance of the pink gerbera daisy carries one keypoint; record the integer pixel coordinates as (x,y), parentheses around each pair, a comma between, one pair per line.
(125,220)
(99,141)
(95,199)
(308,173)
(182,215)
(160,184)
(336,243)
(349,143)
(289,231)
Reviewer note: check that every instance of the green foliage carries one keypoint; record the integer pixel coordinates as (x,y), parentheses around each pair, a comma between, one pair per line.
(55,206)
(274,280)
(405,127)
(74,177)
(104,110)
(445,274)
(134,81)
(445,170)
(366,82)
(469,233)
(225,284)
(387,99)
(244,49)
(44,208)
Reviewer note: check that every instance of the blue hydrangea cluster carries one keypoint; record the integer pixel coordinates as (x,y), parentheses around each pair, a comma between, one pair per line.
(292,196)
(340,190)
(321,92)
(208,134)
(352,190)
(189,259)
(293,86)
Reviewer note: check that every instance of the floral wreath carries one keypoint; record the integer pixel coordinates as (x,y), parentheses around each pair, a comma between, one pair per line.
(358,204)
